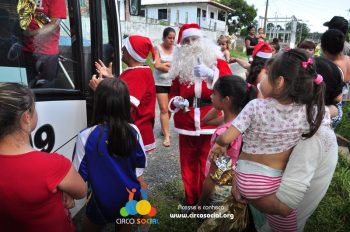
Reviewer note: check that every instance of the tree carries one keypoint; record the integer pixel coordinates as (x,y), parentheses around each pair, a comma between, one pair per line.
(302,33)
(243,15)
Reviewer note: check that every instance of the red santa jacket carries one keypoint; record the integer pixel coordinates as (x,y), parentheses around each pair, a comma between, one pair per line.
(190,123)
(142,90)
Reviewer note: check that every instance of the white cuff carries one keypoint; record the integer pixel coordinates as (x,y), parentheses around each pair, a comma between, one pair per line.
(169,106)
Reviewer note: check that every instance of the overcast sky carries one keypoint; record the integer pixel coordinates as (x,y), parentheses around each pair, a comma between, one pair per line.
(313,12)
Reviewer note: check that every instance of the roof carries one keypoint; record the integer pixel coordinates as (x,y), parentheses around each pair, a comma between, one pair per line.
(166,2)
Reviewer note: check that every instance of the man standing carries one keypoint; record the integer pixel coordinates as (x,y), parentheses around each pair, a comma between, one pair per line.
(341,24)
(196,65)
(41,36)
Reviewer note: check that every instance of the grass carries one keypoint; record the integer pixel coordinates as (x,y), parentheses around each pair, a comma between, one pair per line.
(167,199)
(333,213)
(238,53)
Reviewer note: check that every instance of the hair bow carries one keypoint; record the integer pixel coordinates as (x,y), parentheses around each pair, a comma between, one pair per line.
(305,64)
(318,80)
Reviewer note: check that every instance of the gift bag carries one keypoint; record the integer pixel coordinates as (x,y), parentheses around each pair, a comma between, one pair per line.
(238,223)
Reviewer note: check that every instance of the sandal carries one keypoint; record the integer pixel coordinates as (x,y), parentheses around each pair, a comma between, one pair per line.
(166,142)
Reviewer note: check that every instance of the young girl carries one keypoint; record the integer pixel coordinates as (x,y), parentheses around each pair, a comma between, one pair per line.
(293,107)
(231,94)
(261,35)
(225,44)
(110,155)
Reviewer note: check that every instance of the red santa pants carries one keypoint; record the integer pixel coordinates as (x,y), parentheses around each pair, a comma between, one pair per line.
(194,152)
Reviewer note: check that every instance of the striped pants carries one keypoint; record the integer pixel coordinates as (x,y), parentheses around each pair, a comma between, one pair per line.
(256,180)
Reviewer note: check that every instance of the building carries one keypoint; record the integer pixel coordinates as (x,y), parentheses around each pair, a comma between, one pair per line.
(209,14)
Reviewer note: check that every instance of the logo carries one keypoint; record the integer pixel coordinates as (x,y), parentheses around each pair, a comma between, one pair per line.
(142,207)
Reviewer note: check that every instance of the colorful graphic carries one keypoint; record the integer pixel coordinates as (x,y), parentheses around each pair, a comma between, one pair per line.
(142,207)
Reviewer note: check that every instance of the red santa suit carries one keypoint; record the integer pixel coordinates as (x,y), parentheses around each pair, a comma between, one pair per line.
(142,89)
(194,136)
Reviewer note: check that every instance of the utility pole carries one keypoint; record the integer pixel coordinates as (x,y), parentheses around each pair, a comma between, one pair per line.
(265,19)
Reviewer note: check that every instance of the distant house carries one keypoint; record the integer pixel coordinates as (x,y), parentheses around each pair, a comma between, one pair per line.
(209,14)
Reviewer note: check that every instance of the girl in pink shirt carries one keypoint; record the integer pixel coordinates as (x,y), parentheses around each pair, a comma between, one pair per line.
(293,107)
(230,95)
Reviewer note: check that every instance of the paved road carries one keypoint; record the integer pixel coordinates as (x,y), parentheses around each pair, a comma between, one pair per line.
(163,163)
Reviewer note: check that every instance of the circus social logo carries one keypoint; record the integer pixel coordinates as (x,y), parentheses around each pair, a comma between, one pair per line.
(142,207)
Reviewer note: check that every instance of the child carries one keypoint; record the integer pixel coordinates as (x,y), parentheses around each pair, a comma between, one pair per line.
(334,88)
(261,35)
(293,107)
(110,155)
(309,46)
(140,81)
(231,94)
(225,44)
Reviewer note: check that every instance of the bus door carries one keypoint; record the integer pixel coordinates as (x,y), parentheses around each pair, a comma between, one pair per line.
(90,31)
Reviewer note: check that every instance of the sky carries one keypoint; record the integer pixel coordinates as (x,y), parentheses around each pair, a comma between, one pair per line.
(312,12)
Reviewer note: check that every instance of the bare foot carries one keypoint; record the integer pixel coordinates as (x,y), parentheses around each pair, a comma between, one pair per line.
(166,142)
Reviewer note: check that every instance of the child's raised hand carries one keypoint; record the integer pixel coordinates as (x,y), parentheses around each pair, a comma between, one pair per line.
(103,70)
(217,151)
(94,82)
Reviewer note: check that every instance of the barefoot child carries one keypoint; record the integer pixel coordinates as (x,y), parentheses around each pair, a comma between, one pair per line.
(224,42)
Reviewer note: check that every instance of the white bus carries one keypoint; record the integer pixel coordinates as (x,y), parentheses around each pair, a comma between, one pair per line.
(90,32)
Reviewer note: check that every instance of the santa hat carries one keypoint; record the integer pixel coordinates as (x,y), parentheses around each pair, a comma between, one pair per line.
(139,47)
(187,30)
(262,50)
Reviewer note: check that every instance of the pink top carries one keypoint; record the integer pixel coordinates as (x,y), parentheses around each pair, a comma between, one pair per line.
(232,151)
(270,127)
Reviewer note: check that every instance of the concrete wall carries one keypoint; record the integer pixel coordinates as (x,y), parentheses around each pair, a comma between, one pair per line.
(152,29)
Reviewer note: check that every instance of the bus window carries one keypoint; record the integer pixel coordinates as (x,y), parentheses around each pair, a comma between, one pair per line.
(108,52)
(36,52)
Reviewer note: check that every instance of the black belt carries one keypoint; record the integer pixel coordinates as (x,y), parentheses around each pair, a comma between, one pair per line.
(198,102)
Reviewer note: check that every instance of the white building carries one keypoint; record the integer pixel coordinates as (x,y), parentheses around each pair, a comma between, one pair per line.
(176,12)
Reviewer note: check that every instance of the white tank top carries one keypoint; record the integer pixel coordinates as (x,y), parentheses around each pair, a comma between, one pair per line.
(162,78)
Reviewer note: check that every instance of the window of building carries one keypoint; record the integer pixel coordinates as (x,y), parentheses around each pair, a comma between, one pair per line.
(211,15)
(204,13)
(162,14)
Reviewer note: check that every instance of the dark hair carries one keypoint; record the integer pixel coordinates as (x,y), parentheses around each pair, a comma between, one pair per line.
(236,88)
(307,44)
(276,46)
(15,99)
(255,68)
(275,40)
(299,86)
(331,77)
(332,41)
(250,27)
(112,110)
(167,31)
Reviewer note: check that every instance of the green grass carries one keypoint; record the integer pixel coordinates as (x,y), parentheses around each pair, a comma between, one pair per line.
(238,53)
(333,213)
(166,199)
(344,128)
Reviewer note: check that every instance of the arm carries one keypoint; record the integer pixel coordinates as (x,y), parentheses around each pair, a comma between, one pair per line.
(45,30)
(164,67)
(242,63)
(73,184)
(227,55)
(212,118)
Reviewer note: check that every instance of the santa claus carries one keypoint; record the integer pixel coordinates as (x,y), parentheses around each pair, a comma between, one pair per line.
(197,64)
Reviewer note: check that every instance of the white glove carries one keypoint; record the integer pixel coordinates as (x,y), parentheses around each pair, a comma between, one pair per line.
(201,70)
(180,102)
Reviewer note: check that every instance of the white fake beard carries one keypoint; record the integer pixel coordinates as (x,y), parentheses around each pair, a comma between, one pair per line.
(187,56)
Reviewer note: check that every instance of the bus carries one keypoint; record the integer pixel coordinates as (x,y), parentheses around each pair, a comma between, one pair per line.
(90,32)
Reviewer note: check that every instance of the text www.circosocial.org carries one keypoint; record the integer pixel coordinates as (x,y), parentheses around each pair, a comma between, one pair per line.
(202,215)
